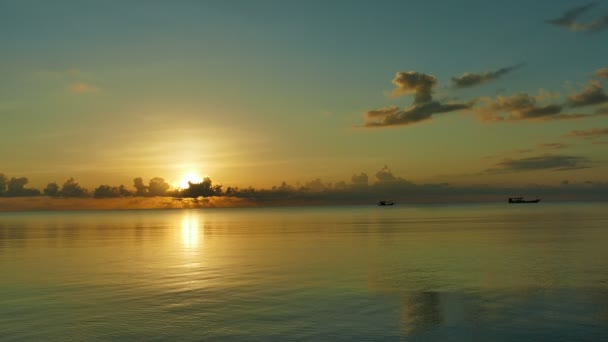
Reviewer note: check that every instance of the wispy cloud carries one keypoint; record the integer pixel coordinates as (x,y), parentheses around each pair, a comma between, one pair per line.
(543,107)
(568,20)
(544,162)
(83,88)
(593,94)
(591,133)
(518,107)
(552,146)
(469,79)
(393,116)
(601,73)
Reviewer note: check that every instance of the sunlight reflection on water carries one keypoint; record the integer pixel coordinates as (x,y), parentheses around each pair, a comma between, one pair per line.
(426,273)
(190,230)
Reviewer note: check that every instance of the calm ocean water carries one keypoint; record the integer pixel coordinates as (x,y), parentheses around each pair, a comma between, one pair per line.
(493,272)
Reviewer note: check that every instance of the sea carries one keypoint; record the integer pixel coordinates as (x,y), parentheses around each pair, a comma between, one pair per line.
(456,272)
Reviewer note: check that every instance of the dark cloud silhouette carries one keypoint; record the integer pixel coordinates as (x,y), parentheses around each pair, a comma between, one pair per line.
(51,190)
(544,162)
(107,191)
(591,133)
(203,189)
(360,180)
(469,79)
(15,187)
(72,189)
(385,175)
(593,94)
(601,73)
(3,182)
(568,20)
(420,84)
(157,186)
(393,116)
(140,188)
(386,185)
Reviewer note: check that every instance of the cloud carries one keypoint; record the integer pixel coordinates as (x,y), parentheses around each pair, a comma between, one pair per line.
(552,146)
(385,175)
(593,94)
(423,107)
(83,88)
(601,73)
(522,106)
(393,116)
(568,20)
(545,162)
(360,179)
(517,107)
(420,84)
(591,133)
(469,79)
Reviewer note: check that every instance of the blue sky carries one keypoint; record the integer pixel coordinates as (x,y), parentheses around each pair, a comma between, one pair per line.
(257,92)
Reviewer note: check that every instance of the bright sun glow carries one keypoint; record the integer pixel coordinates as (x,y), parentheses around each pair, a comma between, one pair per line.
(189,177)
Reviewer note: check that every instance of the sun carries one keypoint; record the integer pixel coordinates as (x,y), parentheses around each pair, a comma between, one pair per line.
(188,177)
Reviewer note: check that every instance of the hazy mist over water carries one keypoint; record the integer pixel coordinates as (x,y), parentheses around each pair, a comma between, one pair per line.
(493,272)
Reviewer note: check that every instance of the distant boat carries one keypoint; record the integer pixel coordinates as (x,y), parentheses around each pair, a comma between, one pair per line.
(384,203)
(522,200)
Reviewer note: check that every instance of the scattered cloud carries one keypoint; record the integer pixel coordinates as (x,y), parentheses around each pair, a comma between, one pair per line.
(552,146)
(83,88)
(518,107)
(591,133)
(420,84)
(568,20)
(542,107)
(423,108)
(393,116)
(593,94)
(469,79)
(544,162)
(601,73)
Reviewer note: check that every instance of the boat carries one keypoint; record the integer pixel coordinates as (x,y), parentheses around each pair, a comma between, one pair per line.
(522,200)
(385,203)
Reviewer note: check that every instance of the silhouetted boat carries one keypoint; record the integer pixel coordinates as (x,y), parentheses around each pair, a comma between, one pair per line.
(383,203)
(522,200)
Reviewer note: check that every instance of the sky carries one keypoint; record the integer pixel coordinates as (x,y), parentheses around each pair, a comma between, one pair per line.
(260,92)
